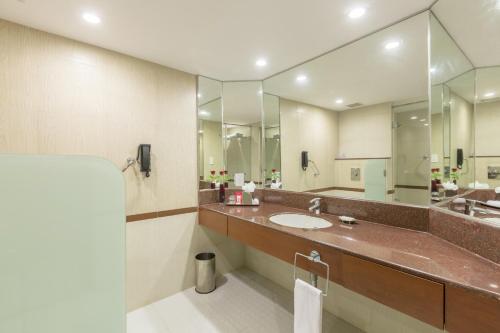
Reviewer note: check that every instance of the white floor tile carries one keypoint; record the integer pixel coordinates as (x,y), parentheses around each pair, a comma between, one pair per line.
(243,302)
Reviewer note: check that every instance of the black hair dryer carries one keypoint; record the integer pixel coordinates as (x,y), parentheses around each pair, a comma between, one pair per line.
(304,159)
(144,158)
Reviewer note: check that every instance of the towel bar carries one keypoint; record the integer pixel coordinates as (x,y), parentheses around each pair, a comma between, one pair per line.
(314,257)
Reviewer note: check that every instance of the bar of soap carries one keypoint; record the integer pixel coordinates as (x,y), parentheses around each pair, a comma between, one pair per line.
(347,219)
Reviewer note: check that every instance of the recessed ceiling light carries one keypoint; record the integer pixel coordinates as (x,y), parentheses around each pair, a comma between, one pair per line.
(426,124)
(423,119)
(339,101)
(357,12)
(301,78)
(413,118)
(91,18)
(203,113)
(489,94)
(261,62)
(394,44)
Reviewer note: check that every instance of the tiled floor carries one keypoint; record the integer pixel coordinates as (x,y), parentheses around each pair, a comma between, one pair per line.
(243,302)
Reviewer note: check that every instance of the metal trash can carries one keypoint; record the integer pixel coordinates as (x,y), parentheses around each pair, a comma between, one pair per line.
(205,272)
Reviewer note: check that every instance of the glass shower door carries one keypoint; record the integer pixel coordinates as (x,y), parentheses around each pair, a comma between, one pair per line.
(62,245)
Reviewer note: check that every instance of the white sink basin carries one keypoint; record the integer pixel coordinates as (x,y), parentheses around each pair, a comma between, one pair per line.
(300,221)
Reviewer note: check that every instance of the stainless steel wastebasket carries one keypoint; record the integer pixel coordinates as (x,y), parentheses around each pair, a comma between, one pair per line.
(205,272)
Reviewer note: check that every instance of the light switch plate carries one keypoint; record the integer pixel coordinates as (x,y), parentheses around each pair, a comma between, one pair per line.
(356,174)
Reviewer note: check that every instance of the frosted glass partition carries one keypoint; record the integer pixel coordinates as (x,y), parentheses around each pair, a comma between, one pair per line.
(62,245)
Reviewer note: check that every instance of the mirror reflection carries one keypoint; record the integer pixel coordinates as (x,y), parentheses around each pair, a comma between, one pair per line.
(243,130)
(210,141)
(356,125)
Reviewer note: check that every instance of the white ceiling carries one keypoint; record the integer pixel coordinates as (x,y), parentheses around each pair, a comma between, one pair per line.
(220,39)
(363,72)
(475,26)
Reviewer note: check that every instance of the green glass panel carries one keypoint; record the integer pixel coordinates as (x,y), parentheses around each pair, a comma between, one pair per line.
(62,245)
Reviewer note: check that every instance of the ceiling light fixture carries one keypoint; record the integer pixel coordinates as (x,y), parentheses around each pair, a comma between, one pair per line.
(357,12)
(413,118)
(422,120)
(203,113)
(91,18)
(392,45)
(489,94)
(261,62)
(301,78)
(199,95)
(426,124)
(339,101)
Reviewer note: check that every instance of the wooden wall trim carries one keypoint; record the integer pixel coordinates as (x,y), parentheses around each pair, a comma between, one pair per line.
(162,213)
(337,188)
(412,187)
(361,158)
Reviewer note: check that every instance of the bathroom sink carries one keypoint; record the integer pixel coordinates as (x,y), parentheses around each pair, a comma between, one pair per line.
(300,221)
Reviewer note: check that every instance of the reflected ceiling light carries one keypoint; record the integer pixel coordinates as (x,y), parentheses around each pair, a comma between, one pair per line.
(199,95)
(301,78)
(489,94)
(91,18)
(432,70)
(423,119)
(413,118)
(261,62)
(494,285)
(426,124)
(357,12)
(393,44)
(260,92)
(339,101)
(203,113)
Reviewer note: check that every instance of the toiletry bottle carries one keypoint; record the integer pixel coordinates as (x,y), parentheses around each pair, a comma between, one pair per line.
(222,193)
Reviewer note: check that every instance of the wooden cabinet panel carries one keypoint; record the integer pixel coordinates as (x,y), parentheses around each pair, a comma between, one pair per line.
(420,298)
(468,312)
(213,220)
(284,246)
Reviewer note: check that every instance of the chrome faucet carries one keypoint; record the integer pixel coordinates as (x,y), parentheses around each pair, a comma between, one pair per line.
(471,209)
(316,203)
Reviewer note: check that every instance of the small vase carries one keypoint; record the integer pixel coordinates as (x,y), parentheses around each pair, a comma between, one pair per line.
(434,185)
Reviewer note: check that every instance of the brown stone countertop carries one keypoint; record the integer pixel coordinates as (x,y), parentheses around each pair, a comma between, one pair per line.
(415,252)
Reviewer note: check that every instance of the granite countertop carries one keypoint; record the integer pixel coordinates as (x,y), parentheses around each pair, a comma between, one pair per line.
(416,252)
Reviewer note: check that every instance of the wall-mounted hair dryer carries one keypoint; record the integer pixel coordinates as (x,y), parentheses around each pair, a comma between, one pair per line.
(144,158)
(305,160)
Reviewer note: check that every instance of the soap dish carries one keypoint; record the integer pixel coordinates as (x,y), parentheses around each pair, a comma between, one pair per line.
(347,219)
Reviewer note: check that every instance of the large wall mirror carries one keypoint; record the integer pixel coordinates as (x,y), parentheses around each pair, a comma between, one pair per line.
(210,131)
(230,132)
(408,114)
(355,122)
(465,91)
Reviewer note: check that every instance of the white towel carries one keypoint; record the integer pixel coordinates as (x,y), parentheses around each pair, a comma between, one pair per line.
(493,203)
(308,308)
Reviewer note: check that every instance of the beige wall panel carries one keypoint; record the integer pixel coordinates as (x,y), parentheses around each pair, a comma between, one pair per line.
(307,128)
(59,96)
(365,132)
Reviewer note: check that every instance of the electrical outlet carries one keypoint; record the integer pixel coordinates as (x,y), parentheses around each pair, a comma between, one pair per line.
(356,174)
